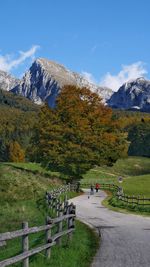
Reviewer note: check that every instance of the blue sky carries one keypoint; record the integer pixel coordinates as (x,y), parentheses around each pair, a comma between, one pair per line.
(106,40)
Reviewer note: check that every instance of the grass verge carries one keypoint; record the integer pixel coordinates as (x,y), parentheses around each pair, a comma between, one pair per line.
(21,199)
(77,253)
(119,207)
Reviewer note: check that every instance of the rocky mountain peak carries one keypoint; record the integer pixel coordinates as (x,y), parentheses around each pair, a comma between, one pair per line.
(45,79)
(57,71)
(133,95)
(7,82)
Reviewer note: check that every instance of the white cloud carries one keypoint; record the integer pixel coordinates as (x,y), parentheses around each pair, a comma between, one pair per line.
(127,73)
(88,76)
(7,63)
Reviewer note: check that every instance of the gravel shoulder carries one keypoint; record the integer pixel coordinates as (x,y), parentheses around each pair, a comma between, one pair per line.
(125,238)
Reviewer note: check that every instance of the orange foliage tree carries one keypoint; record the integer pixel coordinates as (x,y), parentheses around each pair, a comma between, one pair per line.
(16,153)
(78,133)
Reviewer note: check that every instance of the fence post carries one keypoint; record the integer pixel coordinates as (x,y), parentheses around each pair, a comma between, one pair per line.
(25,244)
(65,198)
(69,187)
(127,199)
(73,212)
(48,236)
(46,196)
(65,207)
(57,207)
(49,200)
(60,225)
(54,204)
(70,207)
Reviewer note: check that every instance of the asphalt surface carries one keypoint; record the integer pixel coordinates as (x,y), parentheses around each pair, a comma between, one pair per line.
(125,238)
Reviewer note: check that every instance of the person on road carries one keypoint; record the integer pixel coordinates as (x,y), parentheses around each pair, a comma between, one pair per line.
(92,190)
(97,186)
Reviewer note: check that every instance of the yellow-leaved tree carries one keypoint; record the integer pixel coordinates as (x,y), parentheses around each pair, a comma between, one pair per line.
(16,153)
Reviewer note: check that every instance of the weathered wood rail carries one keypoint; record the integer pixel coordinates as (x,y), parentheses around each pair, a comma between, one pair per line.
(65,219)
(118,192)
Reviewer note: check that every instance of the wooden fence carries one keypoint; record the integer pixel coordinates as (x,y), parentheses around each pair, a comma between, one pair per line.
(64,222)
(118,192)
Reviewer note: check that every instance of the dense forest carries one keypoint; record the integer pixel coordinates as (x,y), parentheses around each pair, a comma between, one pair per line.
(137,125)
(17,119)
(19,126)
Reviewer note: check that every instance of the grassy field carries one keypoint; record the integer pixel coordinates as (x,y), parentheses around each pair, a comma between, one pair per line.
(21,199)
(134,170)
(137,185)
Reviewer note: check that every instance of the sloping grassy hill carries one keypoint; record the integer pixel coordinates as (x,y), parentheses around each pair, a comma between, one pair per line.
(22,190)
(19,191)
(17,184)
(34,168)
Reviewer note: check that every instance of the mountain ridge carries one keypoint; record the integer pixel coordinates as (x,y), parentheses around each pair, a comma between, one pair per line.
(45,79)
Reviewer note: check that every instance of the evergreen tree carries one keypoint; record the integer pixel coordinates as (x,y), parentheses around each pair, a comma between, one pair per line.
(139,137)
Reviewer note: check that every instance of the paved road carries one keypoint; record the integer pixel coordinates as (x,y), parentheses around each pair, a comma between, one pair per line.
(125,238)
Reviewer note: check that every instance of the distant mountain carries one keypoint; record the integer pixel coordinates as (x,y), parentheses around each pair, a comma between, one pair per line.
(7,82)
(133,95)
(44,80)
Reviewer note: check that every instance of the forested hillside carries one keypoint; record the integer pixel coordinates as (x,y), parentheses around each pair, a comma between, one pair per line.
(18,117)
(17,120)
(137,124)
(9,99)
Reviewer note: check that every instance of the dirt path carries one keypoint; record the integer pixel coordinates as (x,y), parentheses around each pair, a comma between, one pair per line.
(125,238)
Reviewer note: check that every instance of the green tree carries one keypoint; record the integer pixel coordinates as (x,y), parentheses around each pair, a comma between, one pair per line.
(78,133)
(139,137)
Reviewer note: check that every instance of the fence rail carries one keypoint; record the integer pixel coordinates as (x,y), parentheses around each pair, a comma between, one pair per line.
(64,212)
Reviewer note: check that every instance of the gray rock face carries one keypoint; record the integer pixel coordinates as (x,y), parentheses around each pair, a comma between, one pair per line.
(45,79)
(133,95)
(7,82)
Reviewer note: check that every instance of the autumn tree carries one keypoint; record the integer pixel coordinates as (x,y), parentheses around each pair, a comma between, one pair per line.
(78,133)
(16,153)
